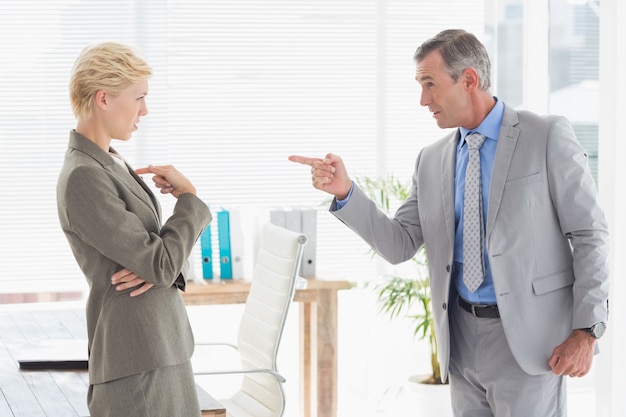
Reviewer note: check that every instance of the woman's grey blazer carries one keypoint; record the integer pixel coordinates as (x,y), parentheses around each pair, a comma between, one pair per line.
(113,221)
(546,236)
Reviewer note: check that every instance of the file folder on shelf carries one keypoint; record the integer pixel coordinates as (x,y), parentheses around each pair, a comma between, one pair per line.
(223,237)
(277,217)
(293,220)
(309,228)
(207,253)
(236,243)
(304,221)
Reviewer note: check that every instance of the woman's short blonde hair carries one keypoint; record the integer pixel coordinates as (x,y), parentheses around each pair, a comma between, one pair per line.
(107,66)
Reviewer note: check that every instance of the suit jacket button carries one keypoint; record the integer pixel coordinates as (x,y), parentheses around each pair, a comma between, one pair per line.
(444,306)
(447,268)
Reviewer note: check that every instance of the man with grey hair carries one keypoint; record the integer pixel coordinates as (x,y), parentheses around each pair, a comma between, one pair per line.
(517,244)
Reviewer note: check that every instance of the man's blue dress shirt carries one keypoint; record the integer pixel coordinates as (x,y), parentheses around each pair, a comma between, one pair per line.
(490,128)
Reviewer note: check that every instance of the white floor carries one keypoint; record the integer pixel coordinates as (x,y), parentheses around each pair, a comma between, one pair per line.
(376,358)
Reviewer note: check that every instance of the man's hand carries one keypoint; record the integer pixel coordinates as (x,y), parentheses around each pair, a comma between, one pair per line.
(574,356)
(168,179)
(328,174)
(125,279)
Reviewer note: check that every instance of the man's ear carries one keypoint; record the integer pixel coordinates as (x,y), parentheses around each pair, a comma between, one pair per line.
(102,99)
(470,79)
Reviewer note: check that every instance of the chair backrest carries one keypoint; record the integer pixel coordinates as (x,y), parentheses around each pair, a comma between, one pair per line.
(271,293)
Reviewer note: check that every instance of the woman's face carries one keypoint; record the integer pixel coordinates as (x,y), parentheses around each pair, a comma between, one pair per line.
(126,109)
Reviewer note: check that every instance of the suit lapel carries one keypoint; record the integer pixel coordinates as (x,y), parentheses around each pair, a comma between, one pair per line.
(148,192)
(448,163)
(134,183)
(125,175)
(507,140)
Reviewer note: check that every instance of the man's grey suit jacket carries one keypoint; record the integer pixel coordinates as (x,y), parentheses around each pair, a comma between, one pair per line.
(112,221)
(546,236)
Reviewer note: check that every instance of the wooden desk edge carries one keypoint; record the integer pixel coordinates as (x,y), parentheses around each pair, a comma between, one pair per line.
(236,285)
(236,291)
(209,406)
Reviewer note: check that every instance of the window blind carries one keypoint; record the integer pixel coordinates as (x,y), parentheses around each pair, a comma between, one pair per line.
(238,86)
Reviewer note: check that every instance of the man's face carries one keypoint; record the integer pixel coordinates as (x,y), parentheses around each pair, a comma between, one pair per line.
(447,101)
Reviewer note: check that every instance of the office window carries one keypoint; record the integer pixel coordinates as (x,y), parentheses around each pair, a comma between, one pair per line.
(507,50)
(238,86)
(571,66)
(574,69)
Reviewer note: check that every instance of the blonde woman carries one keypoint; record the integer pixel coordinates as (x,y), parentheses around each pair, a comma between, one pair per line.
(140,340)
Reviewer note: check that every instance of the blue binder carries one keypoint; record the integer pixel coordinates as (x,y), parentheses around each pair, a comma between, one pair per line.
(207,253)
(223,237)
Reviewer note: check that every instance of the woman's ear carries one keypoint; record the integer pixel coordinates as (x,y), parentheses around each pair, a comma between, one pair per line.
(102,99)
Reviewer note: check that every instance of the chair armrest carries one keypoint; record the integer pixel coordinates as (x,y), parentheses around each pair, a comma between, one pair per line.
(276,375)
(217,344)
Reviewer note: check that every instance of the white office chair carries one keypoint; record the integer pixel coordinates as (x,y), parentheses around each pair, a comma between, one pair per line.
(271,293)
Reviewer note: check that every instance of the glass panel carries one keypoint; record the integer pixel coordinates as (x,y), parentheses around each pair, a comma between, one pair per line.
(507,51)
(574,69)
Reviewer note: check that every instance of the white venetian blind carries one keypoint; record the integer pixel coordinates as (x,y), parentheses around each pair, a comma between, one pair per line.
(267,81)
(238,86)
(39,42)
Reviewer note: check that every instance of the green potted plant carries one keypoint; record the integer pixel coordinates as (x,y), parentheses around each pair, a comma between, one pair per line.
(405,296)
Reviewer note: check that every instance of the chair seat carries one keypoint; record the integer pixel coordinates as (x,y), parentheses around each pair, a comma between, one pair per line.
(243,405)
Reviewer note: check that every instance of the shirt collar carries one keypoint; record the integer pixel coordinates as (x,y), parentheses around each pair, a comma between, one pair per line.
(490,126)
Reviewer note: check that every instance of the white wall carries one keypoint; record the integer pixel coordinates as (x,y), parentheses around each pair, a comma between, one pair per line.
(611,363)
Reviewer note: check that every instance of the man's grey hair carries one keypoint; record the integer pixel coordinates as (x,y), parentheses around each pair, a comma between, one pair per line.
(459,50)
